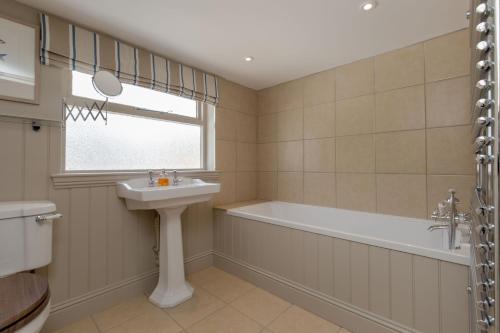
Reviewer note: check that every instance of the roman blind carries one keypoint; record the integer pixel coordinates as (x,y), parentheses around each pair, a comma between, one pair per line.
(67,45)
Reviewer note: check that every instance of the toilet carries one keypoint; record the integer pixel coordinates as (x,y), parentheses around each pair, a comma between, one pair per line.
(25,244)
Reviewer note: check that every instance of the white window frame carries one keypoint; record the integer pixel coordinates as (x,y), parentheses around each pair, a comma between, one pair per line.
(204,115)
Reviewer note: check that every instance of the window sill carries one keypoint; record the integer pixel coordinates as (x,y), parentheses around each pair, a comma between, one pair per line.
(93,179)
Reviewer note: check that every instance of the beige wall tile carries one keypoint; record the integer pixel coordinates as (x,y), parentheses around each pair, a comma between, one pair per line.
(400,68)
(319,155)
(230,95)
(267,156)
(246,156)
(438,186)
(247,128)
(400,109)
(355,79)
(267,100)
(319,121)
(225,124)
(447,56)
(267,128)
(355,115)
(290,156)
(267,186)
(249,101)
(402,195)
(290,95)
(227,192)
(246,186)
(319,189)
(290,125)
(400,152)
(290,186)
(225,155)
(319,88)
(448,102)
(355,153)
(449,151)
(356,191)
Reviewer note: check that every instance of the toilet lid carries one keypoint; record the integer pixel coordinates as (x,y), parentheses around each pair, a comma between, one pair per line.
(22,297)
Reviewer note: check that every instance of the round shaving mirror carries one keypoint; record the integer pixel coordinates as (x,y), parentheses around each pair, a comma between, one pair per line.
(106,84)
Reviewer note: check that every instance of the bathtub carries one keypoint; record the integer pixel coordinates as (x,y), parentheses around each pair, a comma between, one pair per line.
(367,272)
(403,234)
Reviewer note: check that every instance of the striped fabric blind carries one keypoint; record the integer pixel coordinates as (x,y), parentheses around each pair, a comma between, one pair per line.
(67,45)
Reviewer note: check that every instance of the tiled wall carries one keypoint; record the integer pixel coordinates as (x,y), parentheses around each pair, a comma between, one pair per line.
(236,143)
(387,134)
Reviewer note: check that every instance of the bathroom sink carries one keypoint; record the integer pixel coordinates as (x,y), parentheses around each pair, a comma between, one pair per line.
(170,202)
(139,195)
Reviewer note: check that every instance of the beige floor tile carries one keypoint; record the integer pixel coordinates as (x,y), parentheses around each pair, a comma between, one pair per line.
(226,320)
(261,306)
(204,276)
(227,287)
(297,320)
(153,321)
(343,330)
(200,306)
(83,326)
(120,313)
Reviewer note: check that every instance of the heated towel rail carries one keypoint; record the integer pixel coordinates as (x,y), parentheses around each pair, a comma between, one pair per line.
(484,20)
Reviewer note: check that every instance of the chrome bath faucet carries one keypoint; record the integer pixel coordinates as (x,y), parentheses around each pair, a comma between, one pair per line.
(449,218)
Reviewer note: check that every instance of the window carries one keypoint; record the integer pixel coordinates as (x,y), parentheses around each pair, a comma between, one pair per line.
(146,129)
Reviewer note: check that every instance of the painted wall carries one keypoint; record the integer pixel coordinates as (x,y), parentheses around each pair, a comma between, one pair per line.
(388,134)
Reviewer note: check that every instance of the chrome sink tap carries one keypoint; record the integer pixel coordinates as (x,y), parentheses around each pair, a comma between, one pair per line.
(176,180)
(449,218)
(151,182)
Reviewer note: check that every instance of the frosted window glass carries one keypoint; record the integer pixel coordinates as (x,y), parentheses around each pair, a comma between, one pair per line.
(132,143)
(136,96)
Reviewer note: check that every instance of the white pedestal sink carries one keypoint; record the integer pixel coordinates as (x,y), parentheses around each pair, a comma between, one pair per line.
(170,202)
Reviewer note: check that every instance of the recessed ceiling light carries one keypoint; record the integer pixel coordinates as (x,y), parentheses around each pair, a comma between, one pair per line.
(248,59)
(368,5)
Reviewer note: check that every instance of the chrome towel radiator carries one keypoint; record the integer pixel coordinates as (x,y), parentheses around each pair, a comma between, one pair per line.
(484,21)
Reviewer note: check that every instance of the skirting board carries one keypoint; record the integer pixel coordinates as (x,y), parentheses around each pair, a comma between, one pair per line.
(346,315)
(77,308)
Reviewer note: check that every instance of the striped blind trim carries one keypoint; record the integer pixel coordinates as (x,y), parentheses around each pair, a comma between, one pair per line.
(67,45)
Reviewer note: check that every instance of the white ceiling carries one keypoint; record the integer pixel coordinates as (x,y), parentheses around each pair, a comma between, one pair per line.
(288,38)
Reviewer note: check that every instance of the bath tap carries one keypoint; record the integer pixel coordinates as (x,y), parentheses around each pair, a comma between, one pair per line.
(449,218)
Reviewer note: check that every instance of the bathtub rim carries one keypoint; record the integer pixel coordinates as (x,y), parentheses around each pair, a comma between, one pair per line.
(444,255)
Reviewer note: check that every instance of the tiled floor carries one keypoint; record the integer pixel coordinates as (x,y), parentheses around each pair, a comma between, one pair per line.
(222,303)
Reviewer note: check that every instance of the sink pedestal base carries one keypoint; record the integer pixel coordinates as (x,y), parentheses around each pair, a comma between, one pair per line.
(172,288)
